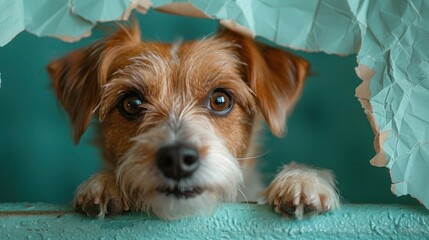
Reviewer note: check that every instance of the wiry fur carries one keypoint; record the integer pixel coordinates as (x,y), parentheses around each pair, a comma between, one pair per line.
(174,82)
(136,168)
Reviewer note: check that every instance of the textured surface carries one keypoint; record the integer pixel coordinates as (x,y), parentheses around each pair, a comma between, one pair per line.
(231,221)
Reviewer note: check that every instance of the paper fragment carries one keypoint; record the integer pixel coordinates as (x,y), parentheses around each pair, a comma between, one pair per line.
(69,20)
(55,18)
(363,94)
(379,160)
(237,28)
(11,20)
(106,10)
(185,9)
(100,11)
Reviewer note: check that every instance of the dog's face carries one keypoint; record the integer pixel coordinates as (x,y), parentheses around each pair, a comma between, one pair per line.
(175,119)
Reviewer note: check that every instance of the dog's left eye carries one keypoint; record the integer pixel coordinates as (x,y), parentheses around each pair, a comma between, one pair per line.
(220,101)
(130,105)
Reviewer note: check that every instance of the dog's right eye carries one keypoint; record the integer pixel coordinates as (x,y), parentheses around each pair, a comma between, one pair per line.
(220,101)
(130,106)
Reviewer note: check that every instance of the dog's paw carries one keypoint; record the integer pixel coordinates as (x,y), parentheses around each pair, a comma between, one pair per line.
(99,197)
(298,190)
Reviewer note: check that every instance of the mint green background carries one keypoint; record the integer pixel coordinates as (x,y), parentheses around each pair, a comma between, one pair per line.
(38,161)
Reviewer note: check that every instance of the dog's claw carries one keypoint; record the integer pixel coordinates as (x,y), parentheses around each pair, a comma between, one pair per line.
(91,209)
(288,209)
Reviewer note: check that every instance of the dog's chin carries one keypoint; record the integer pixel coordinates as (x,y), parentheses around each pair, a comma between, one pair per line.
(172,204)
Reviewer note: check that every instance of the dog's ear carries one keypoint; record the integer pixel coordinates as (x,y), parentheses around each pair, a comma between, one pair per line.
(77,78)
(276,77)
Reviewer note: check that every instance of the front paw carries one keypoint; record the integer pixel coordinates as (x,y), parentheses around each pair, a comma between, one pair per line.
(99,196)
(298,190)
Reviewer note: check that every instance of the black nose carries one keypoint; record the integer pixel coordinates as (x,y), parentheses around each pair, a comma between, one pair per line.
(177,161)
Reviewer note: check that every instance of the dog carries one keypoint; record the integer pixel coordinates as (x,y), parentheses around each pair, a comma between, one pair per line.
(179,124)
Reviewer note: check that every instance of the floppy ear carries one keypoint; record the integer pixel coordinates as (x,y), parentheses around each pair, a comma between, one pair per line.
(277,77)
(77,78)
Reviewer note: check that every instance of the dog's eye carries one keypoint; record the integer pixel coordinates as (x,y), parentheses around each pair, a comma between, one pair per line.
(220,101)
(130,105)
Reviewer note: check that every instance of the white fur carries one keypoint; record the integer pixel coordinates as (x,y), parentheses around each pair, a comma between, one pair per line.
(253,187)
(174,50)
(218,174)
(168,207)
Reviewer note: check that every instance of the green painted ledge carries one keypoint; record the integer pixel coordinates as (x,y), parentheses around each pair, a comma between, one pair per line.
(231,221)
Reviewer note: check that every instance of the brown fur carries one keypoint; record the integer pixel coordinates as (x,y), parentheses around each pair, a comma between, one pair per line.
(176,82)
(274,76)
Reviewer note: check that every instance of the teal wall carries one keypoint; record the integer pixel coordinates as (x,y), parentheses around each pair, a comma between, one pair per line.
(38,161)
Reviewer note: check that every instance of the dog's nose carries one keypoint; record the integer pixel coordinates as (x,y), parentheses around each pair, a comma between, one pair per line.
(177,161)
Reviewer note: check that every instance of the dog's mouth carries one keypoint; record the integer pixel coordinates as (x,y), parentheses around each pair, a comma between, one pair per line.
(181,192)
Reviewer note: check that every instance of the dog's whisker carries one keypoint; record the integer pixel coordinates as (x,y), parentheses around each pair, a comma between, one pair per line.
(253,157)
(242,193)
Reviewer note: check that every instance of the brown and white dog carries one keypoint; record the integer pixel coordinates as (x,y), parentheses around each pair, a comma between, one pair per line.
(179,124)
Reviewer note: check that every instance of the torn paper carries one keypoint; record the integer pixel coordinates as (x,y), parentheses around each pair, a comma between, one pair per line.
(69,20)
(11,20)
(389,37)
(107,10)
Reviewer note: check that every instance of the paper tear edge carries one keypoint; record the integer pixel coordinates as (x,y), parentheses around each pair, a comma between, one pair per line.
(183,9)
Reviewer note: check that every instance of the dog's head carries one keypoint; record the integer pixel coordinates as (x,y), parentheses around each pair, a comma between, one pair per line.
(174,118)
